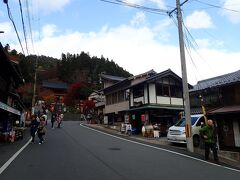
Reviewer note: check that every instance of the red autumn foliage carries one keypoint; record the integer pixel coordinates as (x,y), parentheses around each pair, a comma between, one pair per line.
(47,95)
(87,105)
(70,97)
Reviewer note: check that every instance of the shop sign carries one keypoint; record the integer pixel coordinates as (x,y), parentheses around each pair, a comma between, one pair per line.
(143,118)
(126,118)
(9,109)
(105,120)
(133,117)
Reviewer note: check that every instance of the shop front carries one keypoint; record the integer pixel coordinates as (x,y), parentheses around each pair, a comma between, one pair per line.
(10,119)
(228,125)
(160,118)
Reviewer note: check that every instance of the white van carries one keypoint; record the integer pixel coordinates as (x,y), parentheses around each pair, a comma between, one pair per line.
(177,134)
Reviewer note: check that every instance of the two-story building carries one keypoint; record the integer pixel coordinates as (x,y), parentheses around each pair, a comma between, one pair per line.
(146,98)
(221,96)
(10,103)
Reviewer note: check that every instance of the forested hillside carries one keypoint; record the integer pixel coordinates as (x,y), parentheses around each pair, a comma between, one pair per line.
(70,68)
(77,70)
(83,68)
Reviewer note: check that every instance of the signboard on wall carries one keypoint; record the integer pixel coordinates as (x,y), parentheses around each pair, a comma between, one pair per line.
(126,119)
(105,120)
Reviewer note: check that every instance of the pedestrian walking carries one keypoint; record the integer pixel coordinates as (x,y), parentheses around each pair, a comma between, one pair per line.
(208,133)
(41,130)
(53,119)
(59,119)
(33,127)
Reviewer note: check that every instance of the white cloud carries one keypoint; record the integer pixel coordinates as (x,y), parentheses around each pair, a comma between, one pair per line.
(162,29)
(138,19)
(137,50)
(160,3)
(212,62)
(9,34)
(47,6)
(135,1)
(203,43)
(48,30)
(209,43)
(199,20)
(234,5)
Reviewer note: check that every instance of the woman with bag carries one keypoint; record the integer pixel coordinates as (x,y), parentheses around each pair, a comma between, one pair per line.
(41,130)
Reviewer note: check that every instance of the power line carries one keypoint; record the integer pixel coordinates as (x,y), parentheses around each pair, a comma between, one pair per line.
(144,8)
(24,30)
(29,24)
(195,46)
(217,6)
(15,28)
(188,48)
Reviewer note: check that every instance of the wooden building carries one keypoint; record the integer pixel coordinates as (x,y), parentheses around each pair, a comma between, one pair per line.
(10,103)
(221,96)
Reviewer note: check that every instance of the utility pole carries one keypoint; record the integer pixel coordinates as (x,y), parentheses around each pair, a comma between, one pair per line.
(188,126)
(34,87)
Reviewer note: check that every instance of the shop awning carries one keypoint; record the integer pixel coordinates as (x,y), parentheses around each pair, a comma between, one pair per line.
(226,109)
(9,109)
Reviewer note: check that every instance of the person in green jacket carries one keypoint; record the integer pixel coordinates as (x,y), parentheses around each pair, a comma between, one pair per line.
(208,134)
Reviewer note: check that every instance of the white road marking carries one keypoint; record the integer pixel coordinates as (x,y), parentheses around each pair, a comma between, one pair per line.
(4,167)
(162,149)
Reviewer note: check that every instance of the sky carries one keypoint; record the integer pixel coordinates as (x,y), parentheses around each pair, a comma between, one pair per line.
(135,39)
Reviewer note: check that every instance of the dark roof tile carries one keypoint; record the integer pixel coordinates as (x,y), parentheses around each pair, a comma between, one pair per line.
(54,85)
(217,81)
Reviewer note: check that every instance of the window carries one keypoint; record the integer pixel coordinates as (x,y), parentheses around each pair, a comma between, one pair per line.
(162,90)
(114,98)
(138,91)
(108,99)
(166,90)
(176,91)
(182,122)
(120,96)
(159,89)
(201,120)
(126,95)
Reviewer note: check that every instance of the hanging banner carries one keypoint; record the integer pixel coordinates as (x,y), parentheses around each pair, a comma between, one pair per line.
(143,118)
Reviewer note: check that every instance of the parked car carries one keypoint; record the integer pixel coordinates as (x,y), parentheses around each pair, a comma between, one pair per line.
(177,134)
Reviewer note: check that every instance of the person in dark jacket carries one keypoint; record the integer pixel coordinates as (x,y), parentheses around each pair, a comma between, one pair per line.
(34,127)
(209,136)
(41,130)
(53,119)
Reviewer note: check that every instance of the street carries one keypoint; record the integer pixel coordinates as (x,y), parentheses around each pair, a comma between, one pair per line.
(77,152)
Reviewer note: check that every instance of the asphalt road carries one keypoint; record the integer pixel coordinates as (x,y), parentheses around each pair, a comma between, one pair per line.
(76,152)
